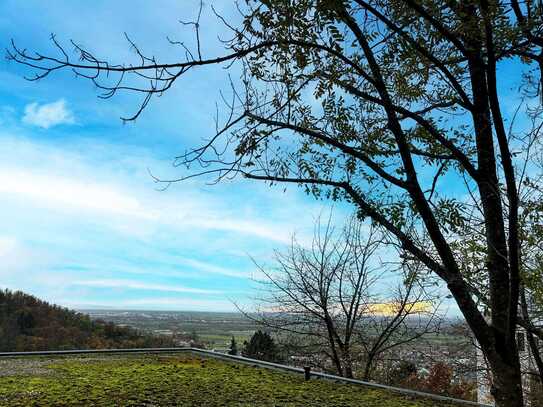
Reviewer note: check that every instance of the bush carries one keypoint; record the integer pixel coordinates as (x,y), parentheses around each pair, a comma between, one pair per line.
(261,346)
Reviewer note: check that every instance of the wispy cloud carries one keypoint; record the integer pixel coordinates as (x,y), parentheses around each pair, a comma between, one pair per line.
(207,267)
(138,285)
(48,115)
(124,198)
(77,219)
(49,189)
(155,303)
(78,200)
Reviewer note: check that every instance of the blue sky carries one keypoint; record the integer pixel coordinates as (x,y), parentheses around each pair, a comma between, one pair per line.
(83,225)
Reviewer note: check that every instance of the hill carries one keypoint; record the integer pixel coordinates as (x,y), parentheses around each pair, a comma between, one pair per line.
(29,324)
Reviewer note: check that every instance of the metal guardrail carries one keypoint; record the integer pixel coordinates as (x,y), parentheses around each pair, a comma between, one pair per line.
(98,351)
(255,362)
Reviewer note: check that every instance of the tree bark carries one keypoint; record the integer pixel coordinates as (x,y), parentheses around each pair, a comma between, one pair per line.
(347,362)
(368,366)
(506,384)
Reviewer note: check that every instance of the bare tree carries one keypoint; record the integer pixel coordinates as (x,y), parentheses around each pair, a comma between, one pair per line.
(409,92)
(328,293)
(412,313)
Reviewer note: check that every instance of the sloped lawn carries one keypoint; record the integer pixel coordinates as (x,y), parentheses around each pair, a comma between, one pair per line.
(181,380)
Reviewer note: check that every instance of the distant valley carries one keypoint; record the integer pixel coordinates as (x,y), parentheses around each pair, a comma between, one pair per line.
(213,330)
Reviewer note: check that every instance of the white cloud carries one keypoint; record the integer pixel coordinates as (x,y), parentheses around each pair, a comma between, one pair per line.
(138,285)
(155,303)
(49,189)
(48,115)
(255,227)
(211,268)
(90,213)
(45,188)
(123,198)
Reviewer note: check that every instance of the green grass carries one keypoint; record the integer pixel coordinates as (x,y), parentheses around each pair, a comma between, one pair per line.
(181,380)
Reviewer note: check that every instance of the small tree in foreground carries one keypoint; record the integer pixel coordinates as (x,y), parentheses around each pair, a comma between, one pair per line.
(233,350)
(330,293)
(261,346)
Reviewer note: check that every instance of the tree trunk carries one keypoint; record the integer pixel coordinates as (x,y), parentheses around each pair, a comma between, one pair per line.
(348,365)
(507,384)
(367,368)
(347,360)
(349,371)
(337,362)
(536,353)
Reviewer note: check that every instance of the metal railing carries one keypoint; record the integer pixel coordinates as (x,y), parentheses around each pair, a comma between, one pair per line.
(254,362)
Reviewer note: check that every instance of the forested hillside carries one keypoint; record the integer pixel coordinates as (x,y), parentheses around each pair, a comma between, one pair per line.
(29,324)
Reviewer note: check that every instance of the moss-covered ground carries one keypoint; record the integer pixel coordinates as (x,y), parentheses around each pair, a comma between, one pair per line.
(176,380)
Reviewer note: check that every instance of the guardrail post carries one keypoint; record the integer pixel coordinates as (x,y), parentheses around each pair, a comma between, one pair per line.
(307,372)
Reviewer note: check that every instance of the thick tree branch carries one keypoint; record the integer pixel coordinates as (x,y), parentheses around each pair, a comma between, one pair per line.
(319,135)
